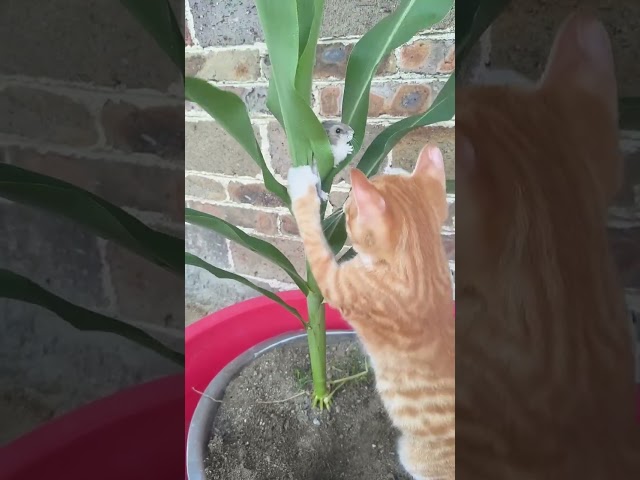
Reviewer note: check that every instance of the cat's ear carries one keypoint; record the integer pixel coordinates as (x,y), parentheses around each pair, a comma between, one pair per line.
(581,57)
(430,162)
(369,202)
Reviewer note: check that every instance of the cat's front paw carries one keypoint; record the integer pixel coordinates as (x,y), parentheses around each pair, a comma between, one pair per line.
(302,182)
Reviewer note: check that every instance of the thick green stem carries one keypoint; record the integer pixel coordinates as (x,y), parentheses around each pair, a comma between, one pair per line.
(317,338)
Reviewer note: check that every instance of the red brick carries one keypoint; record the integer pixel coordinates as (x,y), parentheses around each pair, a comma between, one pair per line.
(147,188)
(330,101)
(249,263)
(288,225)
(42,116)
(229,65)
(388,98)
(209,148)
(332,58)
(427,57)
(264,222)
(405,153)
(205,188)
(134,280)
(193,64)
(156,130)
(253,194)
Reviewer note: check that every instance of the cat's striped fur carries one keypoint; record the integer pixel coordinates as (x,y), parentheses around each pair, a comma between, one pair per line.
(545,385)
(397,295)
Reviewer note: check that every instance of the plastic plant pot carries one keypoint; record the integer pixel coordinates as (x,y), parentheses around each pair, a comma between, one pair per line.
(123,436)
(219,339)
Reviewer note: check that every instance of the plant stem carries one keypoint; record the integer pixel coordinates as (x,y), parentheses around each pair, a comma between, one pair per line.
(317,339)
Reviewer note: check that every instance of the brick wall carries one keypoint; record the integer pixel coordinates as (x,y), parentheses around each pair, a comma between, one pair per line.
(222,180)
(92,100)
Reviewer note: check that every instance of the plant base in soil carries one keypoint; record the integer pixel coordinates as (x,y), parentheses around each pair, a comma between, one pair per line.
(253,440)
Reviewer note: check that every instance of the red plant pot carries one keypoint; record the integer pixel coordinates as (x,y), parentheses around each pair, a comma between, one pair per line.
(126,436)
(215,340)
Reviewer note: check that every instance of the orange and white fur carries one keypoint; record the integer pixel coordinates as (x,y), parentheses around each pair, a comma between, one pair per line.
(397,295)
(545,381)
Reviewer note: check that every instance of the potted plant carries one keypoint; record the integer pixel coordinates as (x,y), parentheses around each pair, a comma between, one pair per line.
(218,346)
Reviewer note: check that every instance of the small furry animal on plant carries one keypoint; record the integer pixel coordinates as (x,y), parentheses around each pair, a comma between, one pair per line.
(340,136)
(397,294)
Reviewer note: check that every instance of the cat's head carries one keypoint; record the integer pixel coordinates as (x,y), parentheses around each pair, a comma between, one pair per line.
(534,161)
(394,213)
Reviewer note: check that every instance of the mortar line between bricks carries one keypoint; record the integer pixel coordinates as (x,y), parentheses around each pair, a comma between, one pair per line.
(231,203)
(190,25)
(225,179)
(399,78)
(232,264)
(195,117)
(140,159)
(273,283)
(153,219)
(75,89)
(261,47)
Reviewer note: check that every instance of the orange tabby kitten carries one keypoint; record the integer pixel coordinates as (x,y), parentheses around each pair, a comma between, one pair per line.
(397,294)
(545,384)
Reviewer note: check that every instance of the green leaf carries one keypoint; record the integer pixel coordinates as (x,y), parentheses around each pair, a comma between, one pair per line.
(257,245)
(442,109)
(231,113)
(335,230)
(103,218)
(20,288)
(472,19)
(410,17)
(190,259)
(309,20)
(629,108)
(159,20)
(305,134)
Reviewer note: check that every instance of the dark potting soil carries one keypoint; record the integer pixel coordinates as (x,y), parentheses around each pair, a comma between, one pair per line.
(289,440)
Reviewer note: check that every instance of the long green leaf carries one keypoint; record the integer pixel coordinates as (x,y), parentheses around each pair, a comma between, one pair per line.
(334,230)
(159,20)
(20,288)
(257,245)
(410,17)
(310,20)
(190,259)
(231,113)
(442,109)
(89,210)
(305,134)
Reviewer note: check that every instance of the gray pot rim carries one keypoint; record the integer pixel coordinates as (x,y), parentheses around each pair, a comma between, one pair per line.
(199,432)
